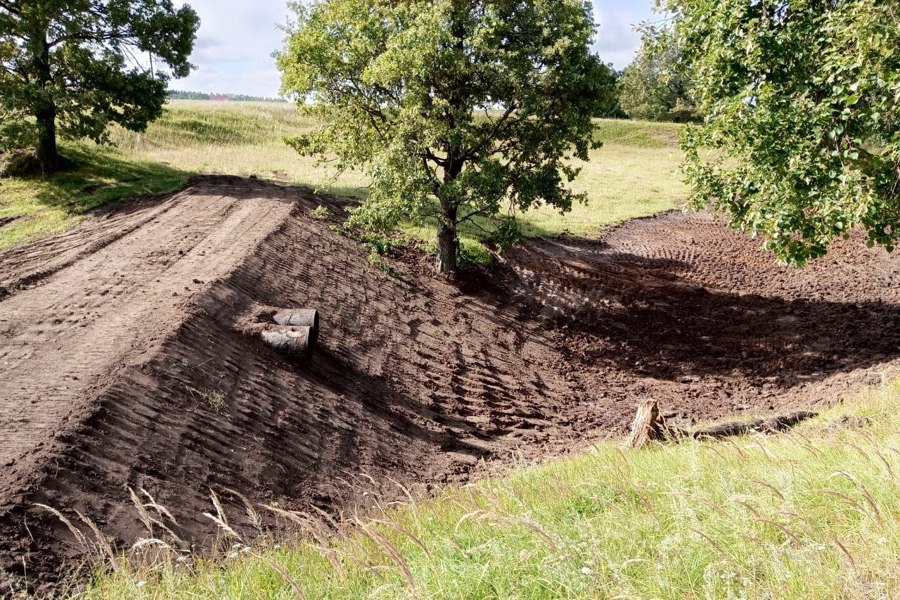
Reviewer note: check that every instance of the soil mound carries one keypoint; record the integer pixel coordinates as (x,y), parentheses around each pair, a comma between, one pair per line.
(123,363)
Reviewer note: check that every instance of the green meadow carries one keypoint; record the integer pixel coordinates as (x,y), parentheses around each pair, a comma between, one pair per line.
(635,173)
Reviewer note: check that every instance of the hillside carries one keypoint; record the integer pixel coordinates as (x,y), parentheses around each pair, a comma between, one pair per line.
(635,174)
(136,321)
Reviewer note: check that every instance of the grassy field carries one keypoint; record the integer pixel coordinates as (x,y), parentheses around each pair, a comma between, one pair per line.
(635,174)
(807,515)
(33,208)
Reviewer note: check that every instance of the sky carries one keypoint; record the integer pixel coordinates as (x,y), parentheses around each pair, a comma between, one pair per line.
(236,40)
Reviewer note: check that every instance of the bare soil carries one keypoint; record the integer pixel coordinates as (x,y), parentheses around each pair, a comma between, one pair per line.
(123,361)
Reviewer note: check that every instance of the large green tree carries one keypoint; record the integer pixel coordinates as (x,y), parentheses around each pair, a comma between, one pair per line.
(608,106)
(455,108)
(71,67)
(802,141)
(656,86)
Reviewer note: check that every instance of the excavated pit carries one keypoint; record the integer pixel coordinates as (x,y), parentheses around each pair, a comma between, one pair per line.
(125,362)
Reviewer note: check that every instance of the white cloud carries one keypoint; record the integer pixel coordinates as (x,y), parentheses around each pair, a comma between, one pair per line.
(234,47)
(617,40)
(236,40)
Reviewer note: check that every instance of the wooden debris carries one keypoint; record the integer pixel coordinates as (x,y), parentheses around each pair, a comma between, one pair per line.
(307,317)
(650,426)
(289,331)
(770,425)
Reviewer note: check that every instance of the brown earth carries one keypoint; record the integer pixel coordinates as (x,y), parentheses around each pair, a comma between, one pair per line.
(123,363)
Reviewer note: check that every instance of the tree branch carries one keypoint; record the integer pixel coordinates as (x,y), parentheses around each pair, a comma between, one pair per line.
(10,8)
(476,213)
(430,155)
(127,36)
(498,125)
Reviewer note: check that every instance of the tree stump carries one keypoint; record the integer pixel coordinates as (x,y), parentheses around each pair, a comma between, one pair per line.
(296,342)
(307,317)
(648,426)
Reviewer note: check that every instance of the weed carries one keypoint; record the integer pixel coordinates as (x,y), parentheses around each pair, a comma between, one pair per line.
(215,399)
(321,213)
(507,234)
(378,261)
(472,254)
(380,243)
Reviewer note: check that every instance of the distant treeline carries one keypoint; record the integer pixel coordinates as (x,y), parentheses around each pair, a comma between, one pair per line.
(183,95)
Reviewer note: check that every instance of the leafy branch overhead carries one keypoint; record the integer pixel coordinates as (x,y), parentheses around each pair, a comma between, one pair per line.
(802,138)
(455,109)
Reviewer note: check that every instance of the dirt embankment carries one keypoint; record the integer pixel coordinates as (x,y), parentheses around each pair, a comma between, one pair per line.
(122,363)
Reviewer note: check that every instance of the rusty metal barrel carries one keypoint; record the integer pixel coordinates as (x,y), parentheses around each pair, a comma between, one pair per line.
(306,317)
(296,342)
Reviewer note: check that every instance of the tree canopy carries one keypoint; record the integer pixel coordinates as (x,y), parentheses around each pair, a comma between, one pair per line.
(656,86)
(608,106)
(802,139)
(455,108)
(74,66)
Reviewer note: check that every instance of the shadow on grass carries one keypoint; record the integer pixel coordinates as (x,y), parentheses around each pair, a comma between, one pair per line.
(32,208)
(101,176)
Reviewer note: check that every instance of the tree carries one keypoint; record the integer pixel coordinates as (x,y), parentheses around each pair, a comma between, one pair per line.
(454,108)
(802,143)
(609,106)
(655,86)
(71,67)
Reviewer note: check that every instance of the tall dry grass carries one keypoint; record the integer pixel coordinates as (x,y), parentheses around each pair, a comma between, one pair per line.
(814,513)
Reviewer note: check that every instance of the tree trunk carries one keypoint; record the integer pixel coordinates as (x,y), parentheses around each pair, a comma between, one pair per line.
(47,151)
(648,426)
(447,242)
(45,111)
(447,238)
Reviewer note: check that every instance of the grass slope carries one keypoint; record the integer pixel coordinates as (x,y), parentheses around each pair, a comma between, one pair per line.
(32,208)
(811,514)
(635,174)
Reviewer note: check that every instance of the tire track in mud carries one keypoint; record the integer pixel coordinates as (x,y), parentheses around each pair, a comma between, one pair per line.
(682,309)
(417,379)
(107,308)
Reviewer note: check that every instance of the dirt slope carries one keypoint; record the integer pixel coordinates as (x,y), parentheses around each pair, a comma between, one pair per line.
(105,310)
(107,377)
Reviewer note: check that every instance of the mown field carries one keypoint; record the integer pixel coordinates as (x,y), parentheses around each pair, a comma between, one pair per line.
(635,174)
(811,514)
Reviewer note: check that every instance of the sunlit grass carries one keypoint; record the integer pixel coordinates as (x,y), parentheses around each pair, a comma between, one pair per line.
(807,515)
(635,174)
(236,138)
(36,207)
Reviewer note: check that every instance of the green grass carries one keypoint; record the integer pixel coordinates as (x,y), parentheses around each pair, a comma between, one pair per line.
(236,138)
(635,174)
(37,207)
(811,514)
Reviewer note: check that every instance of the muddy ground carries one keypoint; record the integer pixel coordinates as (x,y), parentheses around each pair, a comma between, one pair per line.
(123,364)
